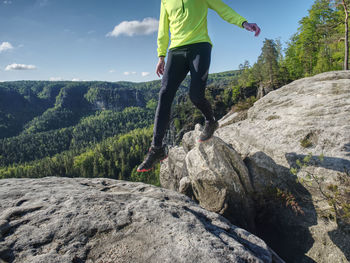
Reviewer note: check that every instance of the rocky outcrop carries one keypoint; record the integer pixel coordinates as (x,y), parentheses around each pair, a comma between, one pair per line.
(309,118)
(213,174)
(110,98)
(310,115)
(264,89)
(173,169)
(305,126)
(104,220)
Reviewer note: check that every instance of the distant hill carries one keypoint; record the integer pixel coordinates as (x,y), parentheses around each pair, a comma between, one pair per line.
(36,106)
(39,119)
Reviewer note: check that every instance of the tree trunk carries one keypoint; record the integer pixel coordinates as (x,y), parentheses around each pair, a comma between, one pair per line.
(346,58)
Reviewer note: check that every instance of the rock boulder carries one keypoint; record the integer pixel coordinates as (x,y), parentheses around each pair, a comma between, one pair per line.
(103,220)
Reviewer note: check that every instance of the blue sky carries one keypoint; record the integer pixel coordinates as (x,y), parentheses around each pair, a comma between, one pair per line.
(68,39)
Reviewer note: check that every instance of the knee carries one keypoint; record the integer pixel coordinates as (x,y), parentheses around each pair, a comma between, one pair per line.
(164,92)
(166,95)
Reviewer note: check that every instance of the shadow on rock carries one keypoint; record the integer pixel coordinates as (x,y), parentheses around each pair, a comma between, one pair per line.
(346,148)
(7,255)
(283,217)
(332,163)
(341,238)
(259,248)
(335,193)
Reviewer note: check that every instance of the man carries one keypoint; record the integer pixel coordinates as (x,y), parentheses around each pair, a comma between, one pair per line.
(189,51)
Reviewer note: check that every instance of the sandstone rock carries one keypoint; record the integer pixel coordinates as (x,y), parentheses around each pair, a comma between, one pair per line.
(233,117)
(186,187)
(313,110)
(173,168)
(308,116)
(103,220)
(216,177)
(264,89)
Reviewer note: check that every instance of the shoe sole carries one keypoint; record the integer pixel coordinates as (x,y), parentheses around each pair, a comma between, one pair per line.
(144,170)
(163,159)
(205,140)
(147,170)
(209,137)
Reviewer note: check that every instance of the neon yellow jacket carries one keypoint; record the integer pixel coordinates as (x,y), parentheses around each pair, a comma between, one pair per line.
(187,21)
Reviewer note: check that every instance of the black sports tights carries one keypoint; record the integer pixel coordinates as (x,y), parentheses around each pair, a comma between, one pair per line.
(196,59)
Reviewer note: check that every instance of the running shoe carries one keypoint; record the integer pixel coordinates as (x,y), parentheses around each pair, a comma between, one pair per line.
(209,129)
(154,155)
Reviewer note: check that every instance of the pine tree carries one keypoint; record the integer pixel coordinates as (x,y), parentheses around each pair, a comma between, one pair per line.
(268,61)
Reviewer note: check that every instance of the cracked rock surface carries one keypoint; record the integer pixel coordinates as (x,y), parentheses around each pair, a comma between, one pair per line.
(104,220)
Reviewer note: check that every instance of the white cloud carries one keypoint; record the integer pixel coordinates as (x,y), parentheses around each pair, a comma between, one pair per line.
(111,71)
(15,66)
(130,28)
(76,79)
(7,2)
(129,73)
(144,74)
(56,78)
(4,46)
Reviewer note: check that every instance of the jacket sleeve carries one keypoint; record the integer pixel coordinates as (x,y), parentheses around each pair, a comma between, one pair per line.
(226,12)
(163,32)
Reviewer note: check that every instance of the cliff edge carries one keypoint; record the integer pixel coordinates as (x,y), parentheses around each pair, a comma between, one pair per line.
(102,220)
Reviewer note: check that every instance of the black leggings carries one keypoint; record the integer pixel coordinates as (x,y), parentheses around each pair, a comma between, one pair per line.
(196,59)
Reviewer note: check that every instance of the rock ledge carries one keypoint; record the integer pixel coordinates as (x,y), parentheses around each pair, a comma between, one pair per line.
(104,220)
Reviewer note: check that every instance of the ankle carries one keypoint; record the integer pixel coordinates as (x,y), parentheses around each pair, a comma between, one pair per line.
(210,121)
(156,146)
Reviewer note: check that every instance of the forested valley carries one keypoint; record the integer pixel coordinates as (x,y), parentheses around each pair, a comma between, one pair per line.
(104,129)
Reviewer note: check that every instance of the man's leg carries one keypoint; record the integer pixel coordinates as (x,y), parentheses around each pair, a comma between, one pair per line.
(199,57)
(199,66)
(175,71)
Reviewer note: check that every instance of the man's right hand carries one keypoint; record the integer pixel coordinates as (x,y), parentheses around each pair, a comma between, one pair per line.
(252,27)
(160,66)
